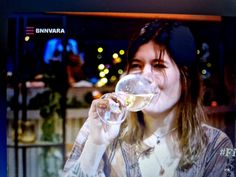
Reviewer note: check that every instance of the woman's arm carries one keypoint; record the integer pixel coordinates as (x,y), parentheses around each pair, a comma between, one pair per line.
(85,156)
(91,143)
(88,162)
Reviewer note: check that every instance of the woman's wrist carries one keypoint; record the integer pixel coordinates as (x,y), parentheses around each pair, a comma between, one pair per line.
(98,141)
(97,144)
(91,156)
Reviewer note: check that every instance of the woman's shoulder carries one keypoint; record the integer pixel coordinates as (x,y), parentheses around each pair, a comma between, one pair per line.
(216,137)
(218,156)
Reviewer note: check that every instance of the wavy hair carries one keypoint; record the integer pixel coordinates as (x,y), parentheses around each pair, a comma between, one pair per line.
(190,115)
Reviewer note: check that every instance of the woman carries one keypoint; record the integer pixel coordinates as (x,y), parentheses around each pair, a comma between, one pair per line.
(168,137)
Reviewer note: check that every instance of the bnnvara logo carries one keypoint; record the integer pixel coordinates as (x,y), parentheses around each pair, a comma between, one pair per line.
(30,30)
(49,30)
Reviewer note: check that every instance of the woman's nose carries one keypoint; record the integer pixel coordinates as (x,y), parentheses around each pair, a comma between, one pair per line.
(147,72)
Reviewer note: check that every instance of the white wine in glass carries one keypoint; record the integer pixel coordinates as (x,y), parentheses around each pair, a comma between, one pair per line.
(133,93)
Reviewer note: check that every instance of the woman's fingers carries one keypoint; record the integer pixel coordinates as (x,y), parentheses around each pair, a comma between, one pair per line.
(97,104)
(100,130)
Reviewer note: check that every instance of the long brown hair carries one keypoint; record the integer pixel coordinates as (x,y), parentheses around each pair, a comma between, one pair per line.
(190,114)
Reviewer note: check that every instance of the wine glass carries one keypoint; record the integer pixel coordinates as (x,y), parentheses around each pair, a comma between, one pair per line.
(133,93)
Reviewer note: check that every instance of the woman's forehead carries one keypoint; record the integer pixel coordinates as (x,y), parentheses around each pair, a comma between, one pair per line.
(151,51)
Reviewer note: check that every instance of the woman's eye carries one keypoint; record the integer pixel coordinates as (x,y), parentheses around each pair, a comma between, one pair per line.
(135,66)
(159,66)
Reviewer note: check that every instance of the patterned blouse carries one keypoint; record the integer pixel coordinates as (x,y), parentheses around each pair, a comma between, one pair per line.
(123,160)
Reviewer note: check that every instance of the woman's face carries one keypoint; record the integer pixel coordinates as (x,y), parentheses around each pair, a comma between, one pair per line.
(162,72)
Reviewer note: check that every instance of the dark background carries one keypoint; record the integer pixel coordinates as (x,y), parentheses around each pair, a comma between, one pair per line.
(226,8)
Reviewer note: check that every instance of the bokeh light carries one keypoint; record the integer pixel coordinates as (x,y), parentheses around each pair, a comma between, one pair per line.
(113,78)
(121,52)
(214,103)
(204,71)
(96,94)
(101,66)
(208,65)
(120,71)
(9,73)
(117,60)
(102,74)
(100,49)
(102,82)
(115,55)
(27,38)
(106,71)
(99,56)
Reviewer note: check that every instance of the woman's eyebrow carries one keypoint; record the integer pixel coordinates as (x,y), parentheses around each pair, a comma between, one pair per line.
(159,60)
(135,60)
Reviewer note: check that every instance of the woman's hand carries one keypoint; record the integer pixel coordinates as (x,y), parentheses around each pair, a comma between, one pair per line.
(100,132)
